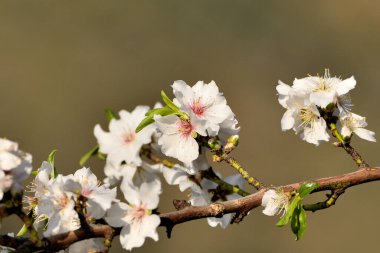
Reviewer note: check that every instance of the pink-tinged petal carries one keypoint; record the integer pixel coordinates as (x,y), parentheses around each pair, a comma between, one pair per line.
(365,134)
(345,86)
(116,214)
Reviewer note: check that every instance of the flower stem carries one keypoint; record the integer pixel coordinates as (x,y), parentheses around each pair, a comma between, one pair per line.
(210,175)
(218,157)
(359,161)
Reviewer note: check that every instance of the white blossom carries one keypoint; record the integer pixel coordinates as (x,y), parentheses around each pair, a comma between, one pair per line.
(136,218)
(177,139)
(206,106)
(275,202)
(58,204)
(15,167)
(178,176)
(99,197)
(304,118)
(354,123)
(324,90)
(122,143)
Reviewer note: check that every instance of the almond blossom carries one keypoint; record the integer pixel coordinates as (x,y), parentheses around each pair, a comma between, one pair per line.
(206,106)
(136,217)
(275,202)
(354,123)
(178,138)
(58,204)
(324,90)
(98,197)
(15,167)
(122,143)
(304,118)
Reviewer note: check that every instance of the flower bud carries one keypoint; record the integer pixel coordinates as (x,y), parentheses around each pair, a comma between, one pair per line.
(232,143)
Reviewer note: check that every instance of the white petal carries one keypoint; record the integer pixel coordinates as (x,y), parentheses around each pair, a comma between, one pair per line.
(346,132)
(365,134)
(9,161)
(323,98)
(287,121)
(115,215)
(149,194)
(345,86)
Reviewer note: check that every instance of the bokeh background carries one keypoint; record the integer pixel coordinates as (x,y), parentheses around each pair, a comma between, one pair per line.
(63,62)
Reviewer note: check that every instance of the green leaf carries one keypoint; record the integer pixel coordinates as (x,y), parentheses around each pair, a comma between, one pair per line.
(307,188)
(85,157)
(160,111)
(149,119)
(295,225)
(50,160)
(144,123)
(35,172)
(168,102)
(110,114)
(288,215)
(302,223)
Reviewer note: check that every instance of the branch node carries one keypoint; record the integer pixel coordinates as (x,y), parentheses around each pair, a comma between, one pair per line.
(180,204)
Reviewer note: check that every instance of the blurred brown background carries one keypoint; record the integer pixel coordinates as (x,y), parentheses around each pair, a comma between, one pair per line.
(63,62)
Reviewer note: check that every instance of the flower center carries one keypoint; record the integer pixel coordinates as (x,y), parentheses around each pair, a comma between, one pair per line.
(197,107)
(138,213)
(185,128)
(129,137)
(307,116)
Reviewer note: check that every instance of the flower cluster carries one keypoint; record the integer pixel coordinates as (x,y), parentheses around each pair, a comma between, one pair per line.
(205,113)
(15,167)
(178,131)
(315,104)
(171,142)
(55,199)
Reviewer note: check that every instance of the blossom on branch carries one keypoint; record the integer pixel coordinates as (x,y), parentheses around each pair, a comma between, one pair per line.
(275,202)
(178,138)
(98,197)
(15,167)
(204,103)
(122,143)
(136,217)
(354,123)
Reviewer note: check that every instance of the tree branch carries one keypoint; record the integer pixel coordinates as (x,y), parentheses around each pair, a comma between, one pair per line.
(188,213)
